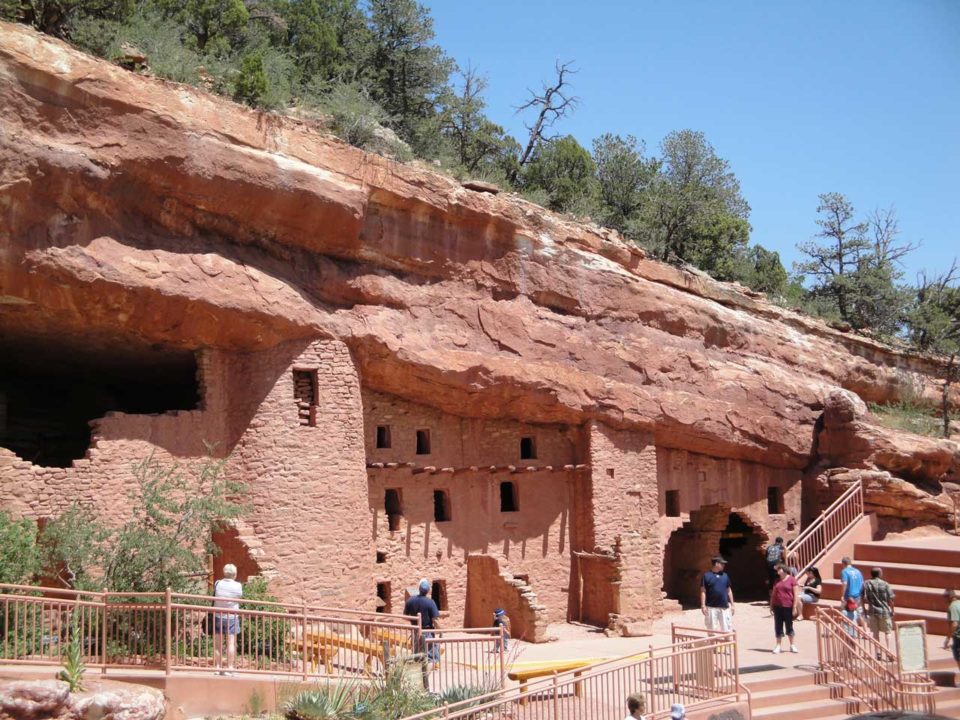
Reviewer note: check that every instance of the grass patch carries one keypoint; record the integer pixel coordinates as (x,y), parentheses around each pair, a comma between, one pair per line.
(912,417)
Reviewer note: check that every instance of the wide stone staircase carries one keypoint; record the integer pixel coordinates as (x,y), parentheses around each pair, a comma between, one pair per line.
(919,570)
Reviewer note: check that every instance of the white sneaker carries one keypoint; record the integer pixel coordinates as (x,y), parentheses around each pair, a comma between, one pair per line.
(777,650)
(793,649)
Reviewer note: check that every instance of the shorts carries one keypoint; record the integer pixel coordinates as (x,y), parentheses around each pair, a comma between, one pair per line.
(226,625)
(880,623)
(956,648)
(719,619)
(854,617)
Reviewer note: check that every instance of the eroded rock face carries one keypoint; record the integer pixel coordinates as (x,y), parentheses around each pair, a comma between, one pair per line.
(129,201)
(45,699)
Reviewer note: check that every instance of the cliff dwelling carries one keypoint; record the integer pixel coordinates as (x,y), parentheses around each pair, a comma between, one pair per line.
(413,379)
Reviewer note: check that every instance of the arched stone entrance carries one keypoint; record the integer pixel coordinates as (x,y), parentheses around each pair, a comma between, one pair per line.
(712,530)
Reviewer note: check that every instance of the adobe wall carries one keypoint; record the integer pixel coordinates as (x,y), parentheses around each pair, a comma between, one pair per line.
(701,480)
(534,541)
(103,478)
(624,523)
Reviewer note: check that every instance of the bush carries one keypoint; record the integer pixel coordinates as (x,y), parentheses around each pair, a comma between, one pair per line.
(355,117)
(330,702)
(19,556)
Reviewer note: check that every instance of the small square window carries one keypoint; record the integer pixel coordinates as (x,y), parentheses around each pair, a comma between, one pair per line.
(381,558)
(305,395)
(441,506)
(394,508)
(610,472)
(508,497)
(383,437)
(673,503)
(528,448)
(423,442)
(774,501)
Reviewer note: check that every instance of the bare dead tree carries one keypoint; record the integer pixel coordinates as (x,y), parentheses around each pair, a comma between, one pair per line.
(553,103)
(885,228)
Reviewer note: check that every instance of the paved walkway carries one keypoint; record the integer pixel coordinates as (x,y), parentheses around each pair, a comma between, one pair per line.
(755,640)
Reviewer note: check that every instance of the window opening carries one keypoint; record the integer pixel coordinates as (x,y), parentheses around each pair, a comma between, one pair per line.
(610,472)
(673,503)
(441,506)
(383,437)
(305,393)
(423,442)
(524,577)
(774,501)
(383,594)
(393,507)
(508,497)
(381,558)
(528,448)
(439,594)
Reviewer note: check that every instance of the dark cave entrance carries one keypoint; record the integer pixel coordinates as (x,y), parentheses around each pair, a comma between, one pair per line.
(52,386)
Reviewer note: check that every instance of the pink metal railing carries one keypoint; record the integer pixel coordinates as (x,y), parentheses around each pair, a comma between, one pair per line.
(867,669)
(698,671)
(172,631)
(810,545)
(465,657)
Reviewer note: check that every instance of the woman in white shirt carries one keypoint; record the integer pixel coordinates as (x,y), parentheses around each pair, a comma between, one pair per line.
(226,592)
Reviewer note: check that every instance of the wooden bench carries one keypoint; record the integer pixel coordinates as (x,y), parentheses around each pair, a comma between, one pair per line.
(322,647)
(543,669)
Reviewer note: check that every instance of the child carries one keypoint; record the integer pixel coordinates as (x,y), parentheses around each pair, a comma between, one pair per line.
(635,707)
(500,619)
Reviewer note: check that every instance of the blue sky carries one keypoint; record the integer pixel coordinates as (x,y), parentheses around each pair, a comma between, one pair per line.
(801,98)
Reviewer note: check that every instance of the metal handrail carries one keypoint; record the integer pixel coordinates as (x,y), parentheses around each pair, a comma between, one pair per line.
(832,524)
(867,669)
(674,662)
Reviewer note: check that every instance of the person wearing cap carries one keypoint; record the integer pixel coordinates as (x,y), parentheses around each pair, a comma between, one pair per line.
(716,597)
(501,619)
(677,712)
(428,611)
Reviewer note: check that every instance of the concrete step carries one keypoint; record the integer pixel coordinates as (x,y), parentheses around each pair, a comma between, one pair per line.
(869,554)
(931,576)
(908,596)
(792,695)
(820,709)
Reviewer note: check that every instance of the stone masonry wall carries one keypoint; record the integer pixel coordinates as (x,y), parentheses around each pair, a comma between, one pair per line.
(533,542)
(307,484)
(624,512)
(701,480)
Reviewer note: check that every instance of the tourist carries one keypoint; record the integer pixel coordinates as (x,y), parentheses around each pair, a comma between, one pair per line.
(226,592)
(785,602)
(716,597)
(677,712)
(502,620)
(878,599)
(776,554)
(851,581)
(812,587)
(953,617)
(635,706)
(427,609)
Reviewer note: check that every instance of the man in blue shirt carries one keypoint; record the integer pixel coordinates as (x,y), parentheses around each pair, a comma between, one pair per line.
(716,597)
(427,609)
(851,580)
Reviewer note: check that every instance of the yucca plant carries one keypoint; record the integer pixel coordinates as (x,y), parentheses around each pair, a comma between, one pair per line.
(329,702)
(73,665)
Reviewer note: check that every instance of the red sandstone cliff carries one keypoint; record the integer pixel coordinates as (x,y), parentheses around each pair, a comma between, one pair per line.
(134,206)
(139,218)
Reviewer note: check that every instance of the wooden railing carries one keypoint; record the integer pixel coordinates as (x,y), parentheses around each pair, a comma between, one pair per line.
(809,546)
(867,669)
(699,669)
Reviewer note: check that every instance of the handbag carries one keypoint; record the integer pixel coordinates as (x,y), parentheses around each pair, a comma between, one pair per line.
(852,604)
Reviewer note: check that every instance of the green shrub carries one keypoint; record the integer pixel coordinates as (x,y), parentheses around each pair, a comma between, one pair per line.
(355,117)
(330,702)
(19,556)
(73,665)
(909,416)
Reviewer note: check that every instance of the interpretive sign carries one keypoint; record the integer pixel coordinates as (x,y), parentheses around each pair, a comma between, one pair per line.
(912,645)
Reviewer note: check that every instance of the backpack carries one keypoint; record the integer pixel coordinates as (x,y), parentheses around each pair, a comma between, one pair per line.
(774,554)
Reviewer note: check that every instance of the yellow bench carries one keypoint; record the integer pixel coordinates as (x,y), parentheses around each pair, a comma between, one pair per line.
(322,647)
(542,669)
